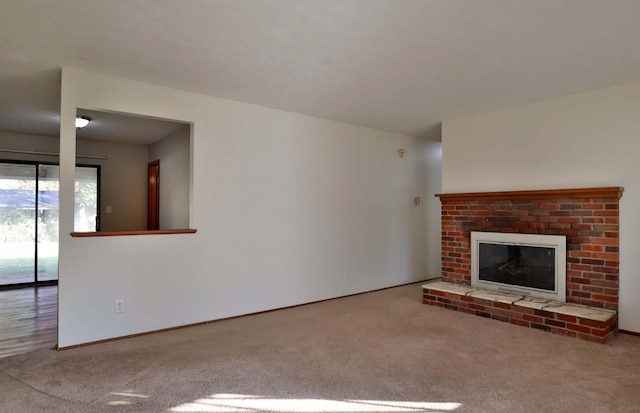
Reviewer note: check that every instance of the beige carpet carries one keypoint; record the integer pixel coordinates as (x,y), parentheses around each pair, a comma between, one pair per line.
(381,351)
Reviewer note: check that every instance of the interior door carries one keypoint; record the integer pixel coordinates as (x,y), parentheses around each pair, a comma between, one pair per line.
(153,191)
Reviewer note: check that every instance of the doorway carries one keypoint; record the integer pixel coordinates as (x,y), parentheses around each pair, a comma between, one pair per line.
(29,215)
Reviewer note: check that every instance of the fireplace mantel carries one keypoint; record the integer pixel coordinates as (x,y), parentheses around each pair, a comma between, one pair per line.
(606,192)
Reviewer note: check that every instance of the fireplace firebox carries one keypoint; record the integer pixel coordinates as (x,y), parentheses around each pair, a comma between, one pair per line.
(527,264)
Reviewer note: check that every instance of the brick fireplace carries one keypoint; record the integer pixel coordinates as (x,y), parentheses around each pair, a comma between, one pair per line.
(588,218)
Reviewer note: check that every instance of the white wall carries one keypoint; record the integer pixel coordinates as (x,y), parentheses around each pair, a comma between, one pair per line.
(590,139)
(23,142)
(284,205)
(174,153)
(123,183)
(431,172)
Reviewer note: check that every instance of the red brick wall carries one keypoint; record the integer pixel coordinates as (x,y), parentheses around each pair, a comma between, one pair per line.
(590,225)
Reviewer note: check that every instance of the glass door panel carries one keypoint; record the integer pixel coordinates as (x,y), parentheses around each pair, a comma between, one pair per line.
(17,223)
(48,190)
(86,199)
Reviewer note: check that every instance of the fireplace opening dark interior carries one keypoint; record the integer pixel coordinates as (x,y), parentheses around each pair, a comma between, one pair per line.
(518,265)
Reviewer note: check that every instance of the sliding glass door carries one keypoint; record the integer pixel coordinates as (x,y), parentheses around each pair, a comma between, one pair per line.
(29,218)
(86,217)
(17,223)
(47,223)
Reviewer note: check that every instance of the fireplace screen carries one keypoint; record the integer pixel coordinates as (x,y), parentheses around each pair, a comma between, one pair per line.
(526,264)
(518,265)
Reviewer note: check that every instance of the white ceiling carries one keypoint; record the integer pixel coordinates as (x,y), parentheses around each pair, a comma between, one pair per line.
(124,128)
(397,65)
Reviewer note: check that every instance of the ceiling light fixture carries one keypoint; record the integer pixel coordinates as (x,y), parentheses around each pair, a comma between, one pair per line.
(82,121)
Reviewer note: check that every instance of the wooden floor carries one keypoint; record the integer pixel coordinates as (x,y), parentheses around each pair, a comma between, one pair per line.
(28,319)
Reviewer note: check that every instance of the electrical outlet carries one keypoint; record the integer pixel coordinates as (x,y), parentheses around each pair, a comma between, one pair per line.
(119,306)
(346,275)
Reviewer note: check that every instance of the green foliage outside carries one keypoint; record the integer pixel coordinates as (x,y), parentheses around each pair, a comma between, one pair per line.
(19,270)
(19,226)
(86,193)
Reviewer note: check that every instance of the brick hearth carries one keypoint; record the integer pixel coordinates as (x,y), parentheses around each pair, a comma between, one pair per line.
(574,320)
(589,218)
